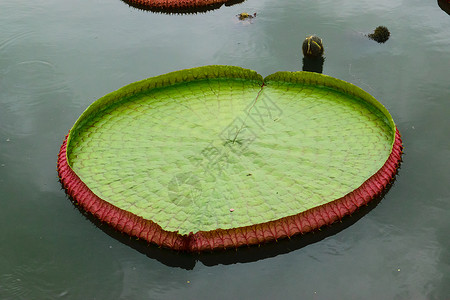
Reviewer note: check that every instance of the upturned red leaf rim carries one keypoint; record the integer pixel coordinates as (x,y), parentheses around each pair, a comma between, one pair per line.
(180,6)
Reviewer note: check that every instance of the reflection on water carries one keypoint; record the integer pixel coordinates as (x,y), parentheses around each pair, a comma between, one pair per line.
(313,64)
(241,255)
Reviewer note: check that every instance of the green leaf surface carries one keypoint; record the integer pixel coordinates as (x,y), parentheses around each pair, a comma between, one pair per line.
(214,147)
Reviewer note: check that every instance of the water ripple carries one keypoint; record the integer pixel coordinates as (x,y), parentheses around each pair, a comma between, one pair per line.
(27,282)
(12,40)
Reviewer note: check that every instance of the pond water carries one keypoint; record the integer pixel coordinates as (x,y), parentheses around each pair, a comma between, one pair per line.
(57,57)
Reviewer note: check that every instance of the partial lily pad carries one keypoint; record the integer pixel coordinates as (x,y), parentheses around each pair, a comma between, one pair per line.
(218,157)
(180,6)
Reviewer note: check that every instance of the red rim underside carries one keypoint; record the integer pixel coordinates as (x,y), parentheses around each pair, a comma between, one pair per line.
(301,223)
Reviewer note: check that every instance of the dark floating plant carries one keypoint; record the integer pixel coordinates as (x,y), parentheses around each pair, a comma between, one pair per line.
(313,59)
(312,46)
(381,34)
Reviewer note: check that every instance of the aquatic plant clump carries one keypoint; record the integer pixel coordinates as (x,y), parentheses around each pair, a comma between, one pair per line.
(218,157)
(245,16)
(381,34)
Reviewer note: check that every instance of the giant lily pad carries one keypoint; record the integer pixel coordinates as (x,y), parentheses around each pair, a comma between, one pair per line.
(218,157)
